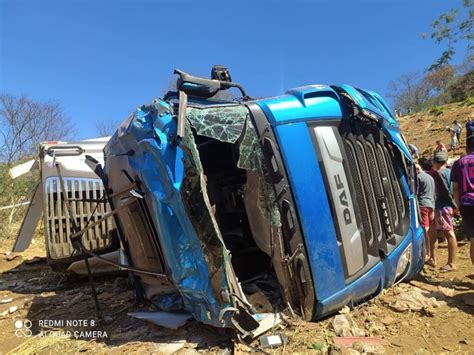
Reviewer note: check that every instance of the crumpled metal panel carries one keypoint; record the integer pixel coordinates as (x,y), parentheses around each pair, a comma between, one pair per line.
(161,166)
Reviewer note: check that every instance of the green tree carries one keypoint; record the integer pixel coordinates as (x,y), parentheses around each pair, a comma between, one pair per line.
(452,27)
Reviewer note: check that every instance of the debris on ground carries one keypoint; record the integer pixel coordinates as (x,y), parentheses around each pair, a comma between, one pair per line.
(358,348)
(468,299)
(345,310)
(273,341)
(35,260)
(38,293)
(345,326)
(410,298)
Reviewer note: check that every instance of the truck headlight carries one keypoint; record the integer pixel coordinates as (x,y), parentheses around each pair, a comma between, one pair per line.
(404,261)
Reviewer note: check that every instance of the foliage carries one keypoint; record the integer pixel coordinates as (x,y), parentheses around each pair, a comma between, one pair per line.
(24,123)
(409,92)
(450,28)
(439,79)
(414,93)
(436,110)
(461,88)
(468,102)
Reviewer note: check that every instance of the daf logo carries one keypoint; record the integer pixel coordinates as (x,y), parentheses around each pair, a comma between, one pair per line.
(343,200)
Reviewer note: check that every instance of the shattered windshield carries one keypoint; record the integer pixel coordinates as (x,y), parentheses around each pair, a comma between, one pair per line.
(224,123)
(231,124)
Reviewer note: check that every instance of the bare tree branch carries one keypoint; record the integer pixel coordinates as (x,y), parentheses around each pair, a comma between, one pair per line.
(24,123)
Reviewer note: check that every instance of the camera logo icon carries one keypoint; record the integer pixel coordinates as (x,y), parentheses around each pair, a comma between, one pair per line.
(23,328)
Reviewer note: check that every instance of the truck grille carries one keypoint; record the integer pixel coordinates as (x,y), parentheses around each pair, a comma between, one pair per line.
(382,210)
(58,224)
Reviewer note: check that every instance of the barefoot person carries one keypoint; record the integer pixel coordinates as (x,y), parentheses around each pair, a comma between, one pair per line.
(444,210)
(462,176)
(426,200)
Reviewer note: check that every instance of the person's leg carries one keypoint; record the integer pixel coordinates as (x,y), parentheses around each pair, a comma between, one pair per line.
(425,223)
(447,216)
(472,251)
(432,246)
(452,248)
(426,232)
(467,215)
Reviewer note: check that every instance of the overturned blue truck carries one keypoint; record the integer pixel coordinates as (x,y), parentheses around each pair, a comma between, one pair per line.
(230,209)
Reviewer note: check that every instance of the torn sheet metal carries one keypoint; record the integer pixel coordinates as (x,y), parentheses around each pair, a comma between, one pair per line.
(30,221)
(170,174)
(163,319)
(161,166)
(99,266)
(23,168)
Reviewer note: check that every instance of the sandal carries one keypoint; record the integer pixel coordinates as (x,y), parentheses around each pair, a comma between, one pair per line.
(447,268)
(431,263)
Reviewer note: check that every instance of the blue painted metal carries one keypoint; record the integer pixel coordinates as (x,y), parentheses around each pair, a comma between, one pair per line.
(158,162)
(368,285)
(303,104)
(289,115)
(313,207)
(317,223)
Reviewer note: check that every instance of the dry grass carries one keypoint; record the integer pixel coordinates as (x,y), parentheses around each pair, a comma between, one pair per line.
(424,128)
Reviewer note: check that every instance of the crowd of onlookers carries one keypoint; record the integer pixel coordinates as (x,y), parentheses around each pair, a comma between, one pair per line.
(446,191)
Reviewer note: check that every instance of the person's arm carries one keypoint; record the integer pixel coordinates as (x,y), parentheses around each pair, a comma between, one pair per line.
(443,188)
(454,177)
(456,193)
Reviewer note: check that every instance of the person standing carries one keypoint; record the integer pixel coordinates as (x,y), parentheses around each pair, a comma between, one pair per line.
(426,201)
(469,127)
(444,211)
(457,130)
(454,139)
(462,176)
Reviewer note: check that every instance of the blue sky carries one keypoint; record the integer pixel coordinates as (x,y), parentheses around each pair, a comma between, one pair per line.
(100,59)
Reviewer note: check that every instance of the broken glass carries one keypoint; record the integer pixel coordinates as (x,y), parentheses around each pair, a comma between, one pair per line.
(224,123)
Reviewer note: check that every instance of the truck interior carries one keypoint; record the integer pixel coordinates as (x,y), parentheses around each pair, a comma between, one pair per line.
(226,188)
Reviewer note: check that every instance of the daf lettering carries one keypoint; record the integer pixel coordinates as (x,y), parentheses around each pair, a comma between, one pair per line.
(343,200)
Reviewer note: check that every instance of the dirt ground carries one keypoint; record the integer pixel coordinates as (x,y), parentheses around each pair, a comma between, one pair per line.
(432,314)
(424,128)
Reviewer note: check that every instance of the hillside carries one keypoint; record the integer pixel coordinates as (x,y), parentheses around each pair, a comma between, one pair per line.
(423,128)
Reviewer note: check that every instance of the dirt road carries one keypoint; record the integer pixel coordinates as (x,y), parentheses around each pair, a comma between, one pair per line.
(433,314)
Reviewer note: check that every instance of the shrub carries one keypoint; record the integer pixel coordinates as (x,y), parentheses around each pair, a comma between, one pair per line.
(436,110)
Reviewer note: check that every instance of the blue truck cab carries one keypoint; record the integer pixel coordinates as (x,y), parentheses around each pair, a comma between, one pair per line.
(305,200)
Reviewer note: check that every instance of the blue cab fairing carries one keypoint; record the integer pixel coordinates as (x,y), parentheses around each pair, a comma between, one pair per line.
(159,163)
(290,117)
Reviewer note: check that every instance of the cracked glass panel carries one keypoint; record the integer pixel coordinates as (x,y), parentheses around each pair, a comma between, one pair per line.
(251,158)
(250,151)
(224,123)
